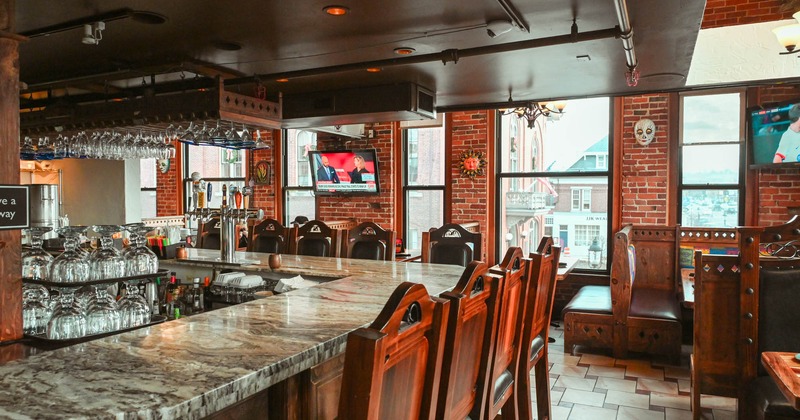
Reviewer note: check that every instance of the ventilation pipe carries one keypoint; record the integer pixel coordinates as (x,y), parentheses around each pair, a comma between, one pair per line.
(626,34)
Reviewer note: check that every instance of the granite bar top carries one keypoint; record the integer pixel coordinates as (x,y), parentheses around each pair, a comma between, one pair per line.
(194,366)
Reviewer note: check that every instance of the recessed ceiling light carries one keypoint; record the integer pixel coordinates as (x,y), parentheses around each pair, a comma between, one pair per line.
(336,10)
(150,18)
(226,45)
(404,50)
(281,80)
(374,69)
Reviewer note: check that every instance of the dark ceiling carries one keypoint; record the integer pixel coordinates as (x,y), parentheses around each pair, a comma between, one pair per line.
(297,39)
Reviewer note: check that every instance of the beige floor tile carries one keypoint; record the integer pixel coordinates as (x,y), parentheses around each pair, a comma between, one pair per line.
(607,371)
(639,371)
(623,385)
(676,372)
(560,413)
(628,399)
(684,385)
(559,369)
(634,362)
(676,414)
(682,402)
(597,360)
(572,382)
(630,413)
(724,415)
(564,359)
(716,402)
(583,412)
(583,397)
(653,385)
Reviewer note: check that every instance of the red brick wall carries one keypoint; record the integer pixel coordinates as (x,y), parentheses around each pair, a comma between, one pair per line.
(470,195)
(645,168)
(167,188)
(264,194)
(778,189)
(740,12)
(379,209)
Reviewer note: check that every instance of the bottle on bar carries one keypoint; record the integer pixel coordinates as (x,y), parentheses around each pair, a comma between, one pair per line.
(206,293)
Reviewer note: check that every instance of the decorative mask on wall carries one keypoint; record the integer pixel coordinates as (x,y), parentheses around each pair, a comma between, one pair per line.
(645,131)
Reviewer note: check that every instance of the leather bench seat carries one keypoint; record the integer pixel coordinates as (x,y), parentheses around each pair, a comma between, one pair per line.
(590,299)
(655,303)
(767,402)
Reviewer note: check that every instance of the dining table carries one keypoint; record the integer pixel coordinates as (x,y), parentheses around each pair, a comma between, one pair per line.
(784,368)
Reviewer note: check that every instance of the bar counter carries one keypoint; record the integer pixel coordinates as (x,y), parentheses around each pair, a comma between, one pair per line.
(196,366)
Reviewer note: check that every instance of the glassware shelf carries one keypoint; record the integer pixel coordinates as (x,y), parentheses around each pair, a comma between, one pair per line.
(141,278)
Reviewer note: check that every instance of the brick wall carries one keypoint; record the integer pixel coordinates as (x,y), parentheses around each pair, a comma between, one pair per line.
(470,195)
(379,209)
(740,12)
(264,194)
(645,168)
(167,188)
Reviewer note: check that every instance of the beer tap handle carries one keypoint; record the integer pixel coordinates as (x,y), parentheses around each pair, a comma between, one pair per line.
(238,199)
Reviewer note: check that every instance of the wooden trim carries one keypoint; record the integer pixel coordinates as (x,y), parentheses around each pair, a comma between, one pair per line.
(616,176)
(491,186)
(752,187)
(399,168)
(448,165)
(673,146)
(179,170)
(10,245)
(277,163)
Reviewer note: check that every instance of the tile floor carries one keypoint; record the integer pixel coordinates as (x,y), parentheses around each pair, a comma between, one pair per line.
(595,386)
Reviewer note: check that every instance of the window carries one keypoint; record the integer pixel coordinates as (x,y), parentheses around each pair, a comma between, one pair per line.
(712,124)
(298,191)
(423,182)
(548,188)
(581,199)
(147,175)
(216,166)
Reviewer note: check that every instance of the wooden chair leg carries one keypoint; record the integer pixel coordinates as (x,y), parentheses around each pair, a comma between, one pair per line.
(542,388)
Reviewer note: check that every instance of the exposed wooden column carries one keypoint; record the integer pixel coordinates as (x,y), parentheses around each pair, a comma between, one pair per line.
(10,272)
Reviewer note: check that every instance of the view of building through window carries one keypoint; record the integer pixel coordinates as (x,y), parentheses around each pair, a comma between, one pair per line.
(298,193)
(147,175)
(216,166)
(711,125)
(554,181)
(424,151)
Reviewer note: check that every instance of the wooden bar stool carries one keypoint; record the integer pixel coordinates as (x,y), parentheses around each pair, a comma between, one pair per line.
(470,332)
(543,267)
(269,236)
(368,241)
(315,238)
(505,357)
(392,368)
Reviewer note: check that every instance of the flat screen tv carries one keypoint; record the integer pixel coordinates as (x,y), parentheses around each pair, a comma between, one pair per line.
(353,172)
(774,134)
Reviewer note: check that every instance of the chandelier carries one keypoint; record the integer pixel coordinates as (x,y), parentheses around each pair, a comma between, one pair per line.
(789,35)
(533,110)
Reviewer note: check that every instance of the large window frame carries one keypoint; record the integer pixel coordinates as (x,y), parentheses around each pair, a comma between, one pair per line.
(187,180)
(586,179)
(686,187)
(410,152)
(294,157)
(150,165)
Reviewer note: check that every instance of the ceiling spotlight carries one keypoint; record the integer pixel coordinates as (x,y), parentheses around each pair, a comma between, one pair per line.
(404,51)
(496,28)
(92,34)
(336,10)
(373,69)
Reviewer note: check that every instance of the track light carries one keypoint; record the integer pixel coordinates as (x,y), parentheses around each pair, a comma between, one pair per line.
(92,34)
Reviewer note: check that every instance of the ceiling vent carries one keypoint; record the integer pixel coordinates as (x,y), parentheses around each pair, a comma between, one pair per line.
(399,102)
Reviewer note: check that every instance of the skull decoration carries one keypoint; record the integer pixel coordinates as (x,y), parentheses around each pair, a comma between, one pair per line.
(645,131)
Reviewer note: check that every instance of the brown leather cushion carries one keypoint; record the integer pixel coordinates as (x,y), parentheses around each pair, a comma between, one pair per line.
(211,240)
(537,345)
(655,303)
(269,244)
(448,253)
(368,250)
(313,246)
(591,299)
(763,400)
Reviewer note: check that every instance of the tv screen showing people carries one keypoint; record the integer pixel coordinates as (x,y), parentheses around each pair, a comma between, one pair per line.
(775,134)
(345,171)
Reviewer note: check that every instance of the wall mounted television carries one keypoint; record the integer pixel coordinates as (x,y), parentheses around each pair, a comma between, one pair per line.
(345,172)
(774,134)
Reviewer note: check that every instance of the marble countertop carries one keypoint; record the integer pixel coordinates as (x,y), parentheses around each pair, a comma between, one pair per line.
(194,366)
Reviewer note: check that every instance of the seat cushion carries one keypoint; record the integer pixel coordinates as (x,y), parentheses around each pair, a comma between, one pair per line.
(655,303)
(316,247)
(368,250)
(590,299)
(449,253)
(537,345)
(763,400)
(211,240)
(270,244)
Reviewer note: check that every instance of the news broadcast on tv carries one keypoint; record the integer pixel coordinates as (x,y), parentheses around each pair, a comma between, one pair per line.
(349,171)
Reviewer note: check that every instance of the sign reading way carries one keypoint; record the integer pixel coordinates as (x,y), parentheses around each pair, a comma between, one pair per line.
(15,213)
